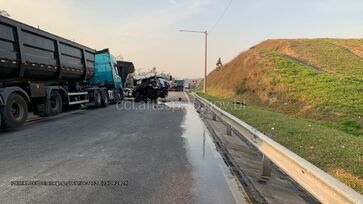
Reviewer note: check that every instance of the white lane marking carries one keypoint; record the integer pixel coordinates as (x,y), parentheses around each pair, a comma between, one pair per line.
(186,95)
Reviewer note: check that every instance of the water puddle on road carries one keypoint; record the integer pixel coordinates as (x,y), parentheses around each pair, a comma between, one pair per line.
(213,181)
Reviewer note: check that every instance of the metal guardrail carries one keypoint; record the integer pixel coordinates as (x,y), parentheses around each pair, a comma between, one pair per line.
(321,185)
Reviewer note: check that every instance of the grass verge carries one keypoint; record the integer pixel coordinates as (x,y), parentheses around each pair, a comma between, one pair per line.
(334,151)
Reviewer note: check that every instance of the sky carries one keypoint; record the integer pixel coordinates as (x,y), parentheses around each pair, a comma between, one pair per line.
(147,32)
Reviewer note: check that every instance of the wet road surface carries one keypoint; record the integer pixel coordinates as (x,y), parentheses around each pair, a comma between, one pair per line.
(156,153)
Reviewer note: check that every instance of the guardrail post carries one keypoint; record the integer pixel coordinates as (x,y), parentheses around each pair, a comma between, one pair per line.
(198,106)
(229,130)
(266,167)
(214,116)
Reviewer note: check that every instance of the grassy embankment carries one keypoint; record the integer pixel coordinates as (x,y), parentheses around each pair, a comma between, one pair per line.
(308,94)
(332,150)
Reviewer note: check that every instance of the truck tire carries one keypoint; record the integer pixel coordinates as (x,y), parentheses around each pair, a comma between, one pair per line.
(138,96)
(55,103)
(15,112)
(98,98)
(105,100)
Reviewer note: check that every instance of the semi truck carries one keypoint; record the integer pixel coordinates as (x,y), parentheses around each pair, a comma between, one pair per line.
(45,74)
(177,85)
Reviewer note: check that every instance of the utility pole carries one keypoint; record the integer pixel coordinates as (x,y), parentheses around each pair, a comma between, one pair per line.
(205,62)
(205,56)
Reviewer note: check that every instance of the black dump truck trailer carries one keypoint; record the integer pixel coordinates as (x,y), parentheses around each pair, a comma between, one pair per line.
(28,53)
(43,73)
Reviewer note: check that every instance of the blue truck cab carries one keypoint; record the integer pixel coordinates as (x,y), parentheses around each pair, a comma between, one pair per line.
(106,73)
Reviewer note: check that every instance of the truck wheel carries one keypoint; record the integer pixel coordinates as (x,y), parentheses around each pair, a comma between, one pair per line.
(15,113)
(105,100)
(138,96)
(98,98)
(55,103)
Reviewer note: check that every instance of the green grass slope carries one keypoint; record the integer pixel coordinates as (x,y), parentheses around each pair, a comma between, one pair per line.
(312,90)
(318,79)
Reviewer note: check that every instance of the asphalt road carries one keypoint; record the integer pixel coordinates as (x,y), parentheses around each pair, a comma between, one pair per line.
(156,153)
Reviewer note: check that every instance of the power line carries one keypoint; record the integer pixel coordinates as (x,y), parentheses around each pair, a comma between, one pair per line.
(221,17)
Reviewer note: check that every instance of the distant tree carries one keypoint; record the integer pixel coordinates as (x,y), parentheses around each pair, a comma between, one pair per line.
(219,63)
(4,13)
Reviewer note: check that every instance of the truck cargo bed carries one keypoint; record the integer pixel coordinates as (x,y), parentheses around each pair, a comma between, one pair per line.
(29,53)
